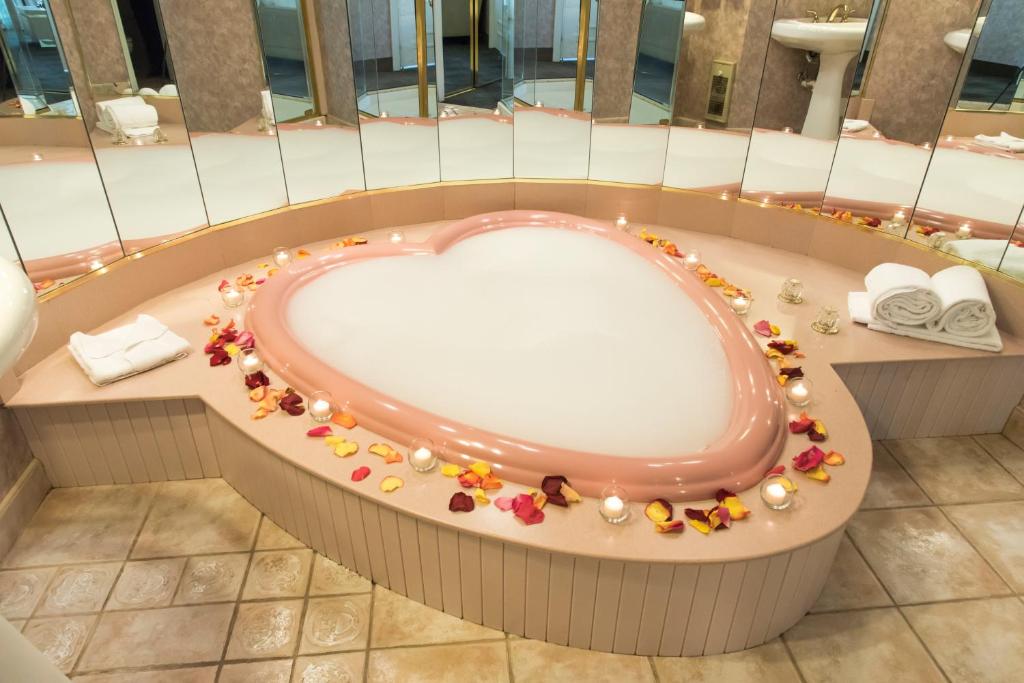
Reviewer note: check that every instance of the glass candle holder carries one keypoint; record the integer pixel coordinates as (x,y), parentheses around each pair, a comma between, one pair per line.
(249,361)
(422,454)
(232,296)
(792,291)
(827,321)
(614,504)
(282,256)
(691,261)
(396,237)
(798,391)
(321,406)
(740,304)
(622,224)
(964,232)
(775,494)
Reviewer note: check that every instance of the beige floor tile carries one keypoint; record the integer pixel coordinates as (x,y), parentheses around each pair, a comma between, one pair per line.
(1009,454)
(273,537)
(533,660)
(329,668)
(265,629)
(278,574)
(400,621)
(851,584)
(272,671)
(867,645)
(167,636)
(997,531)
(20,590)
(60,638)
(149,583)
(212,578)
(769,663)
(955,470)
(18,623)
(921,557)
(190,674)
(79,589)
(890,485)
(199,516)
(82,524)
(1014,429)
(979,640)
(481,662)
(330,578)
(335,624)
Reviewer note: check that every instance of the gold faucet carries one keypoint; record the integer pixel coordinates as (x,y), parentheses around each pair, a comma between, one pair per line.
(839,14)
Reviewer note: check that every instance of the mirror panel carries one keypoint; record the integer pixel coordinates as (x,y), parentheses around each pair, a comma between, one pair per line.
(1013,259)
(51,194)
(394,61)
(312,96)
(227,105)
(475,123)
(811,59)
(994,79)
(553,89)
(721,60)
(894,122)
(973,193)
(136,125)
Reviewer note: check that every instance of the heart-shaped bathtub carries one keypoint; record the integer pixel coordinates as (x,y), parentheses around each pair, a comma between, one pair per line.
(542,343)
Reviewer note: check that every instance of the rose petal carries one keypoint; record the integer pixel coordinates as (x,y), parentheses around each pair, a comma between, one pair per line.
(343,419)
(672,526)
(526,511)
(783,346)
(389,484)
(659,510)
(724,515)
(763,328)
(801,425)
(569,493)
(817,431)
(778,469)
(818,474)
(219,357)
(480,496)
(490,483)
(553,483)
(481,469)
(222,285)
(385,451)
(450,470)
(323,430)
(737,510)
(344,449)
(256,379)
(540,500)
(808,459)
(722,494)
(470,480)
(701,526)
(834,459)
(698,515)
(360,473)
(504,503)
(301,253)
(788,484)
(460,502)
(212,319)
(259,414)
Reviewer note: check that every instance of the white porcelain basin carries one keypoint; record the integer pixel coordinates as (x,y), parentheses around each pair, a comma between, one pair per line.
(692,23)
(958,40)
(823,37)
(17,314)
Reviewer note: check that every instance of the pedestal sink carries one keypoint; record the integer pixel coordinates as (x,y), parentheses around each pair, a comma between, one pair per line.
(692,23)
(836,43)
(17,314)
(958,40)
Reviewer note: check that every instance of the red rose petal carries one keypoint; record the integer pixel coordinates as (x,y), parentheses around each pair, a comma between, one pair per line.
(809,459)
(323,430)
(460,502)
(504,503)
(777,470)
(257,379)
(360,473)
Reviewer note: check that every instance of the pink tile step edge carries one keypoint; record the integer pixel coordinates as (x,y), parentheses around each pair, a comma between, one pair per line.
(737,460)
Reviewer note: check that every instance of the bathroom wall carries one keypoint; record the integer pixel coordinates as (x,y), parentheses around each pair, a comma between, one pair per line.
(617,35)
(913,72)
(1002,41)
(336,60)
(73,57)
(14,453)
(99,40)
(217,61)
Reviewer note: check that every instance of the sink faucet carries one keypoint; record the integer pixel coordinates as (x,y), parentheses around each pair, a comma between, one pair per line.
(839,14)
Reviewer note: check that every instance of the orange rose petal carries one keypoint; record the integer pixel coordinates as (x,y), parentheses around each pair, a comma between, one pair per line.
(490,483)
(569,493)
(392,458)
(212,319)
(259,414)
(389,484)
(672,526)
(346,420)
(385,451)
(302,253)
(540,500)
(819,474)
(658,510)
(834,459)
(470,479)
(272,272)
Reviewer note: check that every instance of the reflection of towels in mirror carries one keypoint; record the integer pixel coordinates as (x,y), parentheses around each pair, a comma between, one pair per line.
(854,125)
(990,253)
(268,106)
(169,90)
(131,115)
(1003,141)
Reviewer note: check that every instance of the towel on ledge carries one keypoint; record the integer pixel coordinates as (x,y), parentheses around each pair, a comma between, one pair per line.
(268,106)
(860,312)
(136,121)
(966,306)
(855,125)
(1003,141)
(169,90)
(901,295)
(992,253)
(127,350)
(104,111)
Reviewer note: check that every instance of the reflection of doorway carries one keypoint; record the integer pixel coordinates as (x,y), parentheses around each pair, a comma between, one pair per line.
(144,43)
(470,54)
(34,58)
(567,31)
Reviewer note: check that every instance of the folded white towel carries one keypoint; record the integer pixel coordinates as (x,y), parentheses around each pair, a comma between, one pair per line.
(991,341)
(147,92)
(136,121)
(1003,141)
(127,350)
(169,90)
(901,295)
(966,306)
(104,111)
(855,125)
(268,106)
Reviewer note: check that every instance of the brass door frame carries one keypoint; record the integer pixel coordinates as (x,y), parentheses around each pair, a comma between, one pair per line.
(582,46)
(423,90)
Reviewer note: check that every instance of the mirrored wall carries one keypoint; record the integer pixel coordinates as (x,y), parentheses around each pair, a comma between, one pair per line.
(140,121)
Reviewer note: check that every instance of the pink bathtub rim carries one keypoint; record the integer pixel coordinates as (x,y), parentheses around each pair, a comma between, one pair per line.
(737,460)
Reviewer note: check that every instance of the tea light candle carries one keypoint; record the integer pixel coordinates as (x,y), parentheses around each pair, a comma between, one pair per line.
(798,391)
(613,506)
(792,291)
(692,260)
(249,362)
(232,296)
(320,406)
(621,223)
(740,304)
(282,256)
(899,217)
(396,237)
(37,157)
(775,494)
(422,455)
(964,232)
(827,321)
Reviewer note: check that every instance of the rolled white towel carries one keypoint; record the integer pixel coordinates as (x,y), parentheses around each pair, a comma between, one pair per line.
(147,92)
(105,111)
(901,295)
(859,306)
(268,106)
(169,90)
(1003,141)
(966,306)
(136,121)
(854,125)
(127,350)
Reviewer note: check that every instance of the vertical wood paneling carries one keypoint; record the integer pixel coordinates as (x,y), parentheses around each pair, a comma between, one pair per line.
(67,441)
(374,542)
(24,418)
(492,559)
(195,410)
(409,538)
(584,592)
(514,588)
(891,401)
(86,444)
(999,385)
(900,423)
(937,412)
(559,598)
(746,606)
(58,469)
(144,436)
(538,566)
(294,497)
(323,513)
(609,586)
(451,572)
(725,607)
(469,572)
(356,528)
(917,424)
(784,601)
(108,443)
(765,610)
(701,610)
(167,450)
(680,600)
(631,604)
(430,562)
(392,549)
(183,439)
(121,426)
(854,375)
(652,617)
(875,401)
(305,486)
(341,529)
(867,385)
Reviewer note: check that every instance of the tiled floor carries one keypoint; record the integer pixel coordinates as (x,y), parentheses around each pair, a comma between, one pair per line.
(186,582)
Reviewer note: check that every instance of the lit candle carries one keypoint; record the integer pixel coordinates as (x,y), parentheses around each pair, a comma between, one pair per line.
(320,407)
(95,264)
(692,260)
(422,455)
(775,494)
(396,237)
(740,304)
(964,231)
(37,157)
(613,506)
(232,296)
(798,391)
(282,256)
(899,217)
(249,362)
(621,223)
(384,114)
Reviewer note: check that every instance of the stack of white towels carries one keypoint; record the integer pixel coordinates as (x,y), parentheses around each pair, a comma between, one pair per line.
(1003,141)
(128,350)
(130,115)
(951,307)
